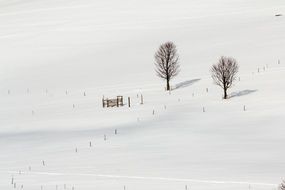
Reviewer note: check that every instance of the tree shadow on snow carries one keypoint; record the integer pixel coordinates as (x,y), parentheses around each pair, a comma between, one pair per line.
(241,93)
(185,84)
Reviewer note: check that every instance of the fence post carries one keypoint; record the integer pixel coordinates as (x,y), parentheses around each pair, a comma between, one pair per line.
(129,101)
(141,99)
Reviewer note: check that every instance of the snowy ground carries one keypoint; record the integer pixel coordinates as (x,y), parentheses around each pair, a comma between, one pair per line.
(54,51)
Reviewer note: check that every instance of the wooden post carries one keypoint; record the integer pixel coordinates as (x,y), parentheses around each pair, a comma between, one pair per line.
(141,99)
(129,101)
(117,101)
(103,103)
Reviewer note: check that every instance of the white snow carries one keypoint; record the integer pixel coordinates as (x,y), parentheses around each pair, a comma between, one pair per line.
(52,51)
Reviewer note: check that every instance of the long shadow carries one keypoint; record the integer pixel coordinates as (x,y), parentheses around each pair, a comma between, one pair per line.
(185,84)
(241,93)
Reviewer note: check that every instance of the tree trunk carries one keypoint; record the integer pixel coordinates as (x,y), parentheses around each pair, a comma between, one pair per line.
(167,85)
(225,94)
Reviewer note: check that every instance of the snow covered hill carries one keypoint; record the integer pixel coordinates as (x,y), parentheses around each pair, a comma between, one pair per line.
(60,57)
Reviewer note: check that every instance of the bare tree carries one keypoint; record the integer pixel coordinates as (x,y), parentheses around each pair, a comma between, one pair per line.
(167,62)
(224,73)
(282,185)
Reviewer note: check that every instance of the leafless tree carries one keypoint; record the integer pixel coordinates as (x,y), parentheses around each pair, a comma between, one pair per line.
(167,62)
(224,73)
(282,185)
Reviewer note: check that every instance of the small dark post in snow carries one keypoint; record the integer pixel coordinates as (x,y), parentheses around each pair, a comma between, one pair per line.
(116,132)
(258,70)
(56,187)
(152,112)
(278,61)
(193,94)
(204,109)
(30,168)
(186,187)
(76,150)
(105,137)
(33,113)
(22,186)
(66,92)
(28,90)
(73,106)
(8,91)
(165,107)
(129,101)
(137,95)
(124,187)
(43,163)
(141,99)
(90,144)
(244,108)
(12,181)
(72,187)
(263,68)
(207,90)
(42,187)
(84,94)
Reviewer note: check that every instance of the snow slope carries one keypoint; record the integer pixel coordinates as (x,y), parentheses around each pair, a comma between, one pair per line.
(52,52)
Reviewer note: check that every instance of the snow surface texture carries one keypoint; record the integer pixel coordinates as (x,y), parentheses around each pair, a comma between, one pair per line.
(54,51)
